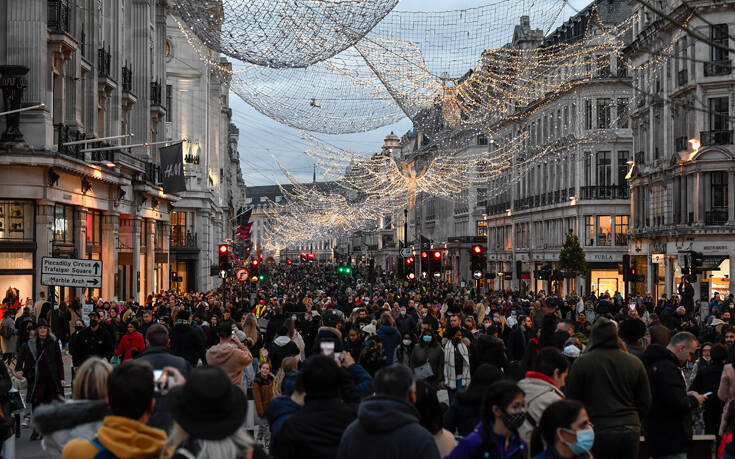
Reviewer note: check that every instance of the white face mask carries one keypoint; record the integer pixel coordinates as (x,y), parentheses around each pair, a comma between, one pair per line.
(407,342)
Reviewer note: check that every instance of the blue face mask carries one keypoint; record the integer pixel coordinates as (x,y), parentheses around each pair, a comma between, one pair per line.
(585,440)
(426,338)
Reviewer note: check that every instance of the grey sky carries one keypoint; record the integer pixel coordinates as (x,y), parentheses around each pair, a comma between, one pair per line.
(261,138)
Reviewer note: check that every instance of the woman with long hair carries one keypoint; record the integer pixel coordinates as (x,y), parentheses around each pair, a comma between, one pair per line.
(564,431)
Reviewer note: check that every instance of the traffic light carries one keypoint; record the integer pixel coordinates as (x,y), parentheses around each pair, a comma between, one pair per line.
(477,261)
(544,273)
(425,266)
(411,276)
(289,262)
(304,257)
(224,257)
(311,256)
(627,275)
(697,260)
(175,277)
(254,265)
(436,264)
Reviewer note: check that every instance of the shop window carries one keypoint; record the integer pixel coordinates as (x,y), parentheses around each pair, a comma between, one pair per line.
(604,230)
(94,227)
(719,189)
(589,230)
(621,230)
(16,220)
(63,226)
(481,228)
(16,260)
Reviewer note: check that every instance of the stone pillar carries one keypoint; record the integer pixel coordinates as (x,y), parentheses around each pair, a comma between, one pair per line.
(150,256)
(684,199)
(699,199)
(140,64)
(633,208)
(731,197)
(44,236)
(732,271)
(110,227)
(166,236)
(135,230)
(668,276)
(649,273)
(80,232)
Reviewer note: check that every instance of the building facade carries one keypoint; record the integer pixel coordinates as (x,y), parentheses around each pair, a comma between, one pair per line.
(99,67)
(684,176)
(581,189)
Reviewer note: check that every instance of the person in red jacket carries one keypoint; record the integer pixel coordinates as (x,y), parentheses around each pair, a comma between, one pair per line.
(131,344)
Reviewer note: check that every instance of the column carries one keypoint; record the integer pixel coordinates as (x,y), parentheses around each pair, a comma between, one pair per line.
(633,207)
(150,256)
(166,236)
(668,277)
(110,227)
(698,199)
(135,230)
(80,232)
(732,271)
(684,199)
(731,198)
(44,228)
(649,273)
(140,64)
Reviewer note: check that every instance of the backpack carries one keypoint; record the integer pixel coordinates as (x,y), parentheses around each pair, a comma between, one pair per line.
(102,452)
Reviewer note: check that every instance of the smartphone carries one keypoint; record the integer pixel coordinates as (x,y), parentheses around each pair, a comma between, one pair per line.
(707,394)
(160,380)
(632,306)
(327,348)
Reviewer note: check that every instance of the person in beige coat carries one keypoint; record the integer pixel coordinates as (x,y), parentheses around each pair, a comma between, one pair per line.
(230,354)
(542,386)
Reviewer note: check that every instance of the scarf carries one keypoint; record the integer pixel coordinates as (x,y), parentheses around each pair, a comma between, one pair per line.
(450,374)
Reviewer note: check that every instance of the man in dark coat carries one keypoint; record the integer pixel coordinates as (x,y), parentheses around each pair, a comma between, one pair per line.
(186,341)
(613,386)
(281,348)
(387,424)
(93,340)
(315,431)
(668,427)
(518,338)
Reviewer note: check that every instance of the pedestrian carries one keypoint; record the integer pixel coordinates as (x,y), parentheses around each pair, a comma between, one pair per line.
(430,418)
(496,436)
(463,414)
(186,341)
(43,368)
(124,432)
(230,354)
(262,395)
(94,340)
(708,380)
(389,335)
(456,363)
(209,413)
(282,347)
(387,424)
(8,336)
(131,344)
(542,386)
(80,417)
(613,386)
(564,431)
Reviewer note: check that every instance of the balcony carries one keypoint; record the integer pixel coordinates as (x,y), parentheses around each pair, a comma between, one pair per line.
(155,93)
(715,138)
(680,143)
(181,238)
(683,77)
(58,16)
(65,134)
(715,217)
(127,78)
(717,68)
(604,192)
(152,174)
(104,60)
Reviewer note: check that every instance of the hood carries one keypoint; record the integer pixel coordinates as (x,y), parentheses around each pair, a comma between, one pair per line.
(326,331)
(63,416)
(657,352)
(387,330)
(487,342)
(280,406)
(533,387)
(604,335)
(220,353)
(128,439)
(380,414)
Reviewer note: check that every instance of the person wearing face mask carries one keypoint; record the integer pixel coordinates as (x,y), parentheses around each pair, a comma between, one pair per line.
(427,359)
(405,322)
(404,350)
(456,363)
(94,340)
(496,436)
(565,430)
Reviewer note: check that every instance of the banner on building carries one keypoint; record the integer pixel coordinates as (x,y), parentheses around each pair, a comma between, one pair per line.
(243,233)
(172,169)
(244,218)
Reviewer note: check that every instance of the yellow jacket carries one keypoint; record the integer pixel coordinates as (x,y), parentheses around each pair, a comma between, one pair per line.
(124,437)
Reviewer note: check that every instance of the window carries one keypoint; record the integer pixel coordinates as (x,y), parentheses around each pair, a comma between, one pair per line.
(719,38)
(604,230)
(481,197)
(718,114)
(94,227)
(16,220)
(169,103)
(603,113)
(566,116)
(430,209)
(481,139)
(481,228)
(621,230)
(587,168)
(604,168)
(63,226)
(623,120)
(719,189)
(589,230)
(588,114)
(623,157)
(461,205)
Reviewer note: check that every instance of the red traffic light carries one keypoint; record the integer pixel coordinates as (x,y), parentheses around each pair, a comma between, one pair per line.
(437,254)
(477,249)
(410,276)
(288,261)
(223,248)
(311,256)
(303,254)
(424,254)
(174,274)
(409,260)
(254,262)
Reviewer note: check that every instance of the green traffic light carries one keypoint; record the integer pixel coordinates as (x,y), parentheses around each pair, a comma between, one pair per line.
(261,277)
(348,270)
(340,269)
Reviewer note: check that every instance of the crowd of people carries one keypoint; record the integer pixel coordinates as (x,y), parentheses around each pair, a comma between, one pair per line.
(314,364)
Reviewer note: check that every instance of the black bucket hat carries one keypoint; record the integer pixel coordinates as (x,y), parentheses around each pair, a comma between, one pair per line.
(208,406)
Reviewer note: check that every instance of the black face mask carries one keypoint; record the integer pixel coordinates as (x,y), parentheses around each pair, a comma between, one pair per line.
(93,322)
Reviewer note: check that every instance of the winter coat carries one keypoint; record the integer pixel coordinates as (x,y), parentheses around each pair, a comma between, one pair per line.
(262,393)
(434,354)
(314,432)
(281,348)
(462,416)
(61,423)
(8,336)
(708,380)
(43,368)
(278,410)
(187,342)
(90,342)
(231,358)
(406,324)
(451,375)
(668,427)
(387,428)
(159,357)
(124,437)
(391,339)
(517,342)
(540,393)
(484,442)
(131,344)
(488,349)
(612,384)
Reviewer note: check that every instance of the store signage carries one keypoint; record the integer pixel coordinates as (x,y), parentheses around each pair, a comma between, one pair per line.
(71,272)
(657,258)
(715,248)
(603,257)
